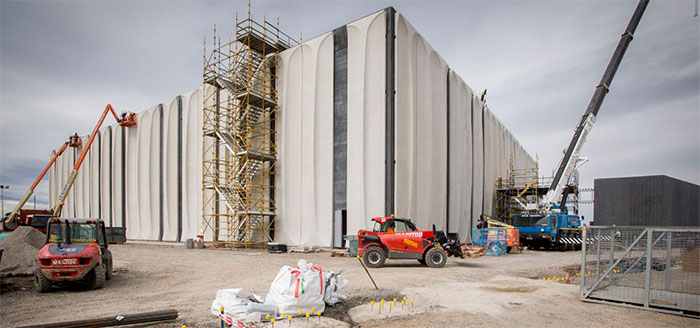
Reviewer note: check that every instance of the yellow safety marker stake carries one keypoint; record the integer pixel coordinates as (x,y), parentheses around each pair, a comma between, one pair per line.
(390,305)
(184,326)
(411,303)
(371,305)
(394,300)
(273,322)
(290,320)
(267,316)
(299,312)
(313,310)
(319,316)
(404,298)
(402,305)
(307,317)
(380,308)
(284,315)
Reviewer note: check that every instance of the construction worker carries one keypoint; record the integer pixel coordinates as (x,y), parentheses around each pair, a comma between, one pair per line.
(390,227)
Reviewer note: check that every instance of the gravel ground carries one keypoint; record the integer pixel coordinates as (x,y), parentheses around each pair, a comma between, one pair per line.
(487,291)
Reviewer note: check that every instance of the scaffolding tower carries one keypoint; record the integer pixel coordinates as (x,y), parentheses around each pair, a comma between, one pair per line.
(239,155)
(528,186)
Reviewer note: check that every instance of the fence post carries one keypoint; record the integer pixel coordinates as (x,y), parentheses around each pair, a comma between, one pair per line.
(668,261)
(597,266)
(647,273)
(582,274)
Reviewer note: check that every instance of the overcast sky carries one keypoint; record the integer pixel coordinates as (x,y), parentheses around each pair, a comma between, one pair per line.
(61,62)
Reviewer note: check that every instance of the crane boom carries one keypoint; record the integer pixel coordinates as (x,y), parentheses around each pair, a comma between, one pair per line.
(128,119)
(571,156)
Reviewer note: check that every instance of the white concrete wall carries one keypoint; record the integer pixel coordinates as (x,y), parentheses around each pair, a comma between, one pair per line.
(304,190)
(421,129)
(366,120)
(480,147)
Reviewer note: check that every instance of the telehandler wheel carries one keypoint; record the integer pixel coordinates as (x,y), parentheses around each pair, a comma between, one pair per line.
(436,257)
(374,257)
(108,271)
(42,283)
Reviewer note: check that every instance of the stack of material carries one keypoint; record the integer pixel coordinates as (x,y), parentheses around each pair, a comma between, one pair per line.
(21,248)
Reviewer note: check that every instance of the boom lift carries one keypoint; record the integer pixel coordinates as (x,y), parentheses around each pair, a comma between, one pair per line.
(547,221)
(127,119)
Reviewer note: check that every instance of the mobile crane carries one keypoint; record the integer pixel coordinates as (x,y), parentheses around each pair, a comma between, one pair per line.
(18,216)
(546,223)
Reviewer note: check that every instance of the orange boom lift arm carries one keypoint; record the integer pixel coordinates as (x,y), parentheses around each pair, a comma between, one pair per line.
(29,193)
(126,120)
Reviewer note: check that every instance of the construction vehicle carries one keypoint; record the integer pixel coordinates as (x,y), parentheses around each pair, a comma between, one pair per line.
(18,216)
(396,238)
(512,232)
(75,250)
(546,222)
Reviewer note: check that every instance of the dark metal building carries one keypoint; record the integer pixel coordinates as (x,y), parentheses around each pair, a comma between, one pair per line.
(656,200)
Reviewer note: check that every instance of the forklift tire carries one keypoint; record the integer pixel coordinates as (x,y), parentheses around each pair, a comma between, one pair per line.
(108,272)
(435,257)
(422,261)
(42,283)
(95,278)
(374,257)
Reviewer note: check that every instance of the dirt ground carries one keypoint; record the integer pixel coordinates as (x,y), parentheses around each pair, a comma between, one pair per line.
(502,291)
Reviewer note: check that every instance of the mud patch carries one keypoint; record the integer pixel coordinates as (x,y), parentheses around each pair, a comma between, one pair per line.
(364,296)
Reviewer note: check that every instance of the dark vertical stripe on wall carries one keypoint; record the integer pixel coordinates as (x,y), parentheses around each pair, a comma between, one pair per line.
(340,117)
(390,91)
(99,181)
(110,175)
(179,168)
(124,176)
(340,131)
(447,129)
(161,199)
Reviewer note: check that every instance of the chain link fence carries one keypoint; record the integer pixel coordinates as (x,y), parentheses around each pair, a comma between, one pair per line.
(652,268)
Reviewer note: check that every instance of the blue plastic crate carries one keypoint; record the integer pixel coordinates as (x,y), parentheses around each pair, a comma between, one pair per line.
(494,241)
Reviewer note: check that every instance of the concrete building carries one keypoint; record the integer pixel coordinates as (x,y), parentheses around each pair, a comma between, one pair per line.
(368,121)
(657,200)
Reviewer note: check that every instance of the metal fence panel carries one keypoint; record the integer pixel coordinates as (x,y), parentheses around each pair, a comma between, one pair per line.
(652,268)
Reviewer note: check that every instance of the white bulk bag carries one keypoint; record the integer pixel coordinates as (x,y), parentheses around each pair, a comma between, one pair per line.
(235,302)
(335,288)
(297,287)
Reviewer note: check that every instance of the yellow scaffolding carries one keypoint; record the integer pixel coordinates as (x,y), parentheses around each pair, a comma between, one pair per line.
(239,155)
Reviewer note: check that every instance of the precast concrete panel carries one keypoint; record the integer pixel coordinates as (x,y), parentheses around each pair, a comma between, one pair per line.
(81,185)
(105,175)
(192,163)
(366,121)
(460,156)
(118,181)
(421,109)
(94,177)
(305,148)
(170,174)
(477,159)
(490,161)
(68,210)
